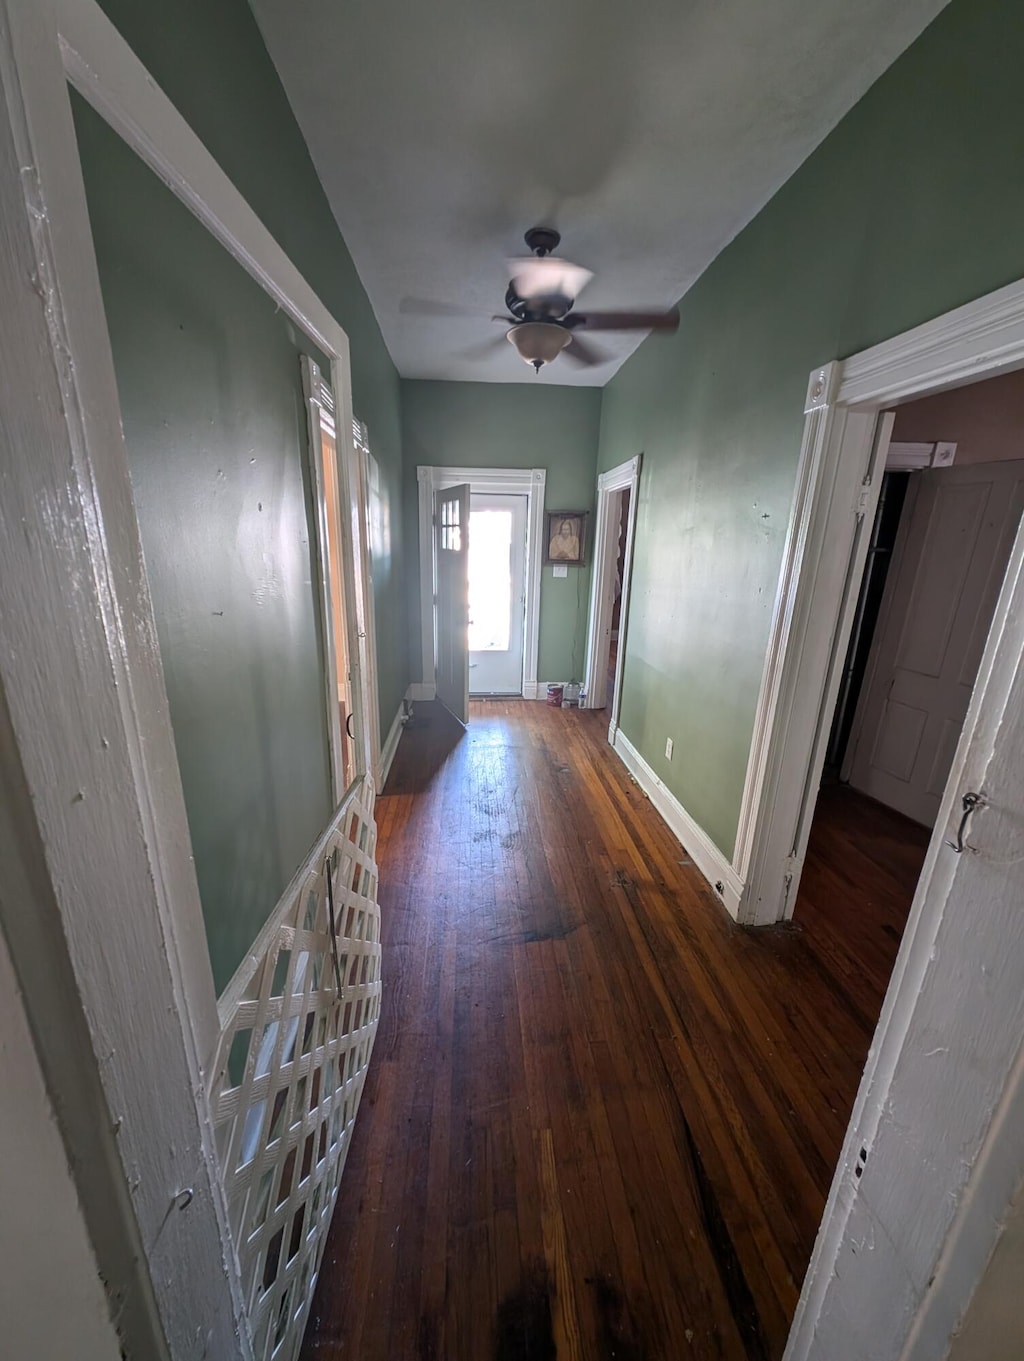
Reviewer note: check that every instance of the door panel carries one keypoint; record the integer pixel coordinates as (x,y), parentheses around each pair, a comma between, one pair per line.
(451,601)
(954,543)
(497,593)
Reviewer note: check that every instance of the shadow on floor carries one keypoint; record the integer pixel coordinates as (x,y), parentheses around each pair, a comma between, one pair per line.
(428,739)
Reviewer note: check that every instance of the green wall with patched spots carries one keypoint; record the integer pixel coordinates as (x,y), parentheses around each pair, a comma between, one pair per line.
(912,206)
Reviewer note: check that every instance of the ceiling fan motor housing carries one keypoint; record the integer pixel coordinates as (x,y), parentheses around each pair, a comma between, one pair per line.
(551,307)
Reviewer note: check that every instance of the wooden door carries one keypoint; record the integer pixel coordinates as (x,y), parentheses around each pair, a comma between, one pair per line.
(451,598)
(955,540)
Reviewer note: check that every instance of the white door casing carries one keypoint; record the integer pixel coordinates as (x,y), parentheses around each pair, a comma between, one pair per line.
(108,942)
(935,1147)
(451,597)
(956,533)
(498,670)
(626,476)
(513,481)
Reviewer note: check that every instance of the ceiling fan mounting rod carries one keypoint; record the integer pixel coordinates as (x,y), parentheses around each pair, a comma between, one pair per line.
(542,240)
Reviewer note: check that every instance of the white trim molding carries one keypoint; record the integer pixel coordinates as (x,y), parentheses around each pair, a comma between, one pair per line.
(528,482)
(390,747)
(842,457)
(932,1153)
(708,859)
(839,476)
(626,476)
(110,949)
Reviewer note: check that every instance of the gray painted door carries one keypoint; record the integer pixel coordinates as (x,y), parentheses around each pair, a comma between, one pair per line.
(955,539)
(451,601)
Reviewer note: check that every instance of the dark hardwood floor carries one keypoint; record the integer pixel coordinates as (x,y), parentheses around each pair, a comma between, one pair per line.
(601,1119)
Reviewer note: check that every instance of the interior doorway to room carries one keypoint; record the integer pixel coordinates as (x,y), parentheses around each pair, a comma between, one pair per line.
(609,595)
(497,593)
(617,572)
(949,508)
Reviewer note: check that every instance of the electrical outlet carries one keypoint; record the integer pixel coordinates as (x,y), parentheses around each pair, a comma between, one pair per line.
(669,746)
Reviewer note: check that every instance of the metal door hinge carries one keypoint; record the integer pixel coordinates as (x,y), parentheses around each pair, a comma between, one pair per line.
(863,499)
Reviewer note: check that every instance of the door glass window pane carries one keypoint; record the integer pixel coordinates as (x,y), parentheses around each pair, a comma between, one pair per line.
(490,580)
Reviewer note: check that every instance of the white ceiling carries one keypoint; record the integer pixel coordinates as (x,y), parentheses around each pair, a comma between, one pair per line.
(649,133)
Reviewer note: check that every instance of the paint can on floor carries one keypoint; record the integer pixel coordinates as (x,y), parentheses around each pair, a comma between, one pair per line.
(555,696)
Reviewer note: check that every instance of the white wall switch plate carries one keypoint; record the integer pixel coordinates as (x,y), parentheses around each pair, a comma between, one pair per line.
(669,747)
(560,569)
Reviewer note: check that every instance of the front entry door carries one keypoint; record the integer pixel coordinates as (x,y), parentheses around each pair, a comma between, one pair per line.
(959,526)
(451,599)
(497,593)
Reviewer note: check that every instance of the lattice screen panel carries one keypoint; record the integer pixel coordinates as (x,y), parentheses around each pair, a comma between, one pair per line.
(290,1066)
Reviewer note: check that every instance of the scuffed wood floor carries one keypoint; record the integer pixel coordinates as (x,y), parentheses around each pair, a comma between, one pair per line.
(601,1119)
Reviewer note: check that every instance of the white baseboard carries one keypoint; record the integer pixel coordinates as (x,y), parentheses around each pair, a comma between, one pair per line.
(715,868)
(421,690)
(387,751)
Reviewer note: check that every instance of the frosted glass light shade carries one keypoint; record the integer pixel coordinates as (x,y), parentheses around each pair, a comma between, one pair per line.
(538,342)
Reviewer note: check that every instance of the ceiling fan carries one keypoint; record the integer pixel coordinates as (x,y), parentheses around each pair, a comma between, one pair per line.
(541,294)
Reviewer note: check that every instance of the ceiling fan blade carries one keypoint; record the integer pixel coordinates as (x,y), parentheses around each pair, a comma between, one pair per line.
(584,353)
(428,307)
(547,277)
(625,321)
(484,348)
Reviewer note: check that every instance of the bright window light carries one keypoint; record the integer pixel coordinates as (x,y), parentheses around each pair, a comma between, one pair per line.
(490,580)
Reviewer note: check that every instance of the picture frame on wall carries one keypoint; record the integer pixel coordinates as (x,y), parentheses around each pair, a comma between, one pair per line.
(565,539)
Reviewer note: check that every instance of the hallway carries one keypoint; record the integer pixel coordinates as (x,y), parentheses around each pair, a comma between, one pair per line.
(601,1120)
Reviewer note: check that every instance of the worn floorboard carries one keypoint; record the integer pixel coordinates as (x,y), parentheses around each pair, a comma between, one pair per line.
(601,1119)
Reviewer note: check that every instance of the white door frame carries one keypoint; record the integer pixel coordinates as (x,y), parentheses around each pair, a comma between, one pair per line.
(625,476)
(933,1151)
(493,665)
(838,482)
(528,482)
(107,937)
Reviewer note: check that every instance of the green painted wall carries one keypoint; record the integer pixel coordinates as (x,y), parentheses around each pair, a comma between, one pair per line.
(215,425)
(913,205)
(214,420)
(210,60)
(512,425)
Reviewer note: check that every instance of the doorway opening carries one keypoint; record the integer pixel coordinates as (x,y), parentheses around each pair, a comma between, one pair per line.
(609,595)
(949,506)
(497,593)
(502,530)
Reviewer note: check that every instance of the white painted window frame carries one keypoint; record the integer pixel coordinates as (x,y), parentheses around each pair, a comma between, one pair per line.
(623,477)
(353,534)
(366,610)
(528,482)
(114,965)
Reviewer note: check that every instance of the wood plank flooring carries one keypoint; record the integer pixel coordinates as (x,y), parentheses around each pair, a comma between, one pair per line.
(601,1119)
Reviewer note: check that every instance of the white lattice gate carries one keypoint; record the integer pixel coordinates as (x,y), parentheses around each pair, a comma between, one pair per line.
(298,1022)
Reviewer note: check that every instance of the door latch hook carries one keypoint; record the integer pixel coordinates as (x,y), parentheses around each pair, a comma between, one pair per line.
(969,803)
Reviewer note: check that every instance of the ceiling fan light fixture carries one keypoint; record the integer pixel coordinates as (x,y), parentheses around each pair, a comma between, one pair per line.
(538,342)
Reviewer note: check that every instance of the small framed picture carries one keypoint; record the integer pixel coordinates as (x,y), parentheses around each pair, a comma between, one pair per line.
(566,537)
